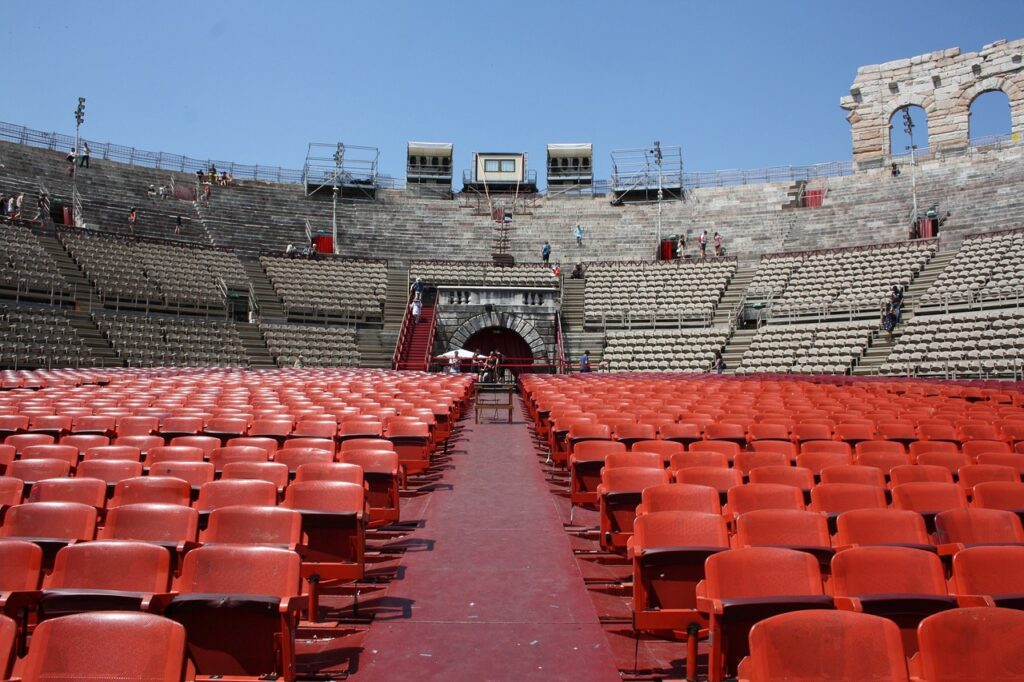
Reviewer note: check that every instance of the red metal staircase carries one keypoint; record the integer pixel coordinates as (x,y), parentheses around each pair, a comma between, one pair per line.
(416,340)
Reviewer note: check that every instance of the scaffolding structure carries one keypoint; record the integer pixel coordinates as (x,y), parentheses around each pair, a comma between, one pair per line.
(647,174)
(349,168)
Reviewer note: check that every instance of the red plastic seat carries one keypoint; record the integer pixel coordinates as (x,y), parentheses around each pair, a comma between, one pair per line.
(20,441)
(224,493)
(143,443)
(274,472)
(219,457)
(734,433)
(585,464)
(745,461)
(172,427)
(240,605)
(67,453)
(747,585)
(618,495)
(205,443)
(810,431)
(938,430)
(921,447)
(856,432)
(785,475)
(21,565)
(975,448)
(679,497)
(928,499)
(911,473)
(790,528)
(786,447)
(412,442)
(900,431)
(834,498)
(1010,459)
(630,434)
(882,527)
(171,526)
(719,478)
(90,491)
(950,461)
(113,452)
(634,459)
(151,489)
(12,491)
(762,431)
(999,495)
(882,459)
(685,460)
(137,426)
(51,525)
(174,453)
(104,575)
(268,526)
(115,645)
(668,551)
(268,444)
(853,473)
(833,446)
(278,429)
(727,448)
(32,470)
(97,424)
(967,527)
(976,643)
(742,499)
(972,474)
(85,441)
(899,583)
(662,447)
(225,428)
(382,476)
(814,645)
(989,575)
(193,473)
(681,433)
(817,461)
(360,428)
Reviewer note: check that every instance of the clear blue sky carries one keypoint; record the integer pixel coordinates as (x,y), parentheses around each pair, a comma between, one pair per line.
(736,84)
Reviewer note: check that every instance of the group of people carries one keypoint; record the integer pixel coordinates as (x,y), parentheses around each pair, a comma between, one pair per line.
(212,177)
(702,245)
(11,206)
(892,312)
(78,157)
(161,192)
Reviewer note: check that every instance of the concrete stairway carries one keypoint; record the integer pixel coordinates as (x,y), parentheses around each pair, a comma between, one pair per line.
(396,297)
(736,347)
(255,347)
(732,295)
(271,309)
(576,342)
(572,304)
(103,354)
(881,346)
(929,273)
(83,291)
(376,347)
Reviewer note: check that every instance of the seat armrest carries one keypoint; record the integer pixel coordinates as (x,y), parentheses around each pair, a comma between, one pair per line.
(157,603)
(964,600)
(709,605)
(848,604)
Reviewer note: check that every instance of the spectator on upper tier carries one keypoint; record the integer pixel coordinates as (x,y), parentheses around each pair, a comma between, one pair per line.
(585,361)
(545,252)
(18,203)
(717,241)
(702,243)
(151,190)
(177,225)
(417,289)
(132,217)
(417,309)
(84,159)
(578,233)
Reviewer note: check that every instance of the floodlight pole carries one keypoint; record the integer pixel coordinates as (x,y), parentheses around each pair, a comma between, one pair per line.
(339,156)
(79,117)
(661,194)
(908,127)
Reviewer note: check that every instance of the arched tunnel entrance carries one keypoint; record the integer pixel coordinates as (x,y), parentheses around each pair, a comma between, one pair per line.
(511,345)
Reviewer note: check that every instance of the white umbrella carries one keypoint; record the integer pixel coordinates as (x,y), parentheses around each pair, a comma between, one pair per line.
(460,353)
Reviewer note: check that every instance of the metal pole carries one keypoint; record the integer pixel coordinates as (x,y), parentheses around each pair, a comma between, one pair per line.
(908,126)
(334,217)
(79,117)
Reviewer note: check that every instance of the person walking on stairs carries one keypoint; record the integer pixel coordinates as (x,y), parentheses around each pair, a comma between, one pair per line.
(578,233)
(545,252)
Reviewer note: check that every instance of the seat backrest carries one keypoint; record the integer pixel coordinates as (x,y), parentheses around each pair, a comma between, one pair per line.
(978,527)
(121,565)
(223,493)
(683,460)
(949,460)
(911,473)
(863,570)
(680,497)
(761,572)
(241,569)
(237,453)
(665,448)
(596,449)
(880,527)
(110,471)
(115,452)
(157,489)
(371,461)
(971,475)
(151,522)
(753,496)
(67,453)
(205,443)
(782,528)
(989,569)
(32,470)
(107,645)
(175,453)
(727,448)
(90,491)
(254,526)
(265,442)
(634,459)
(841,497)
(928,497)
(296,457)
(680,529)
(330,471)
(326,496)
(57,520)
(813,645)
(11,490)
(631,478)
(999,495)
(976,643)
(882,459)
(20,565)
(853,473)
(275,472)
(366,444)
(719,478)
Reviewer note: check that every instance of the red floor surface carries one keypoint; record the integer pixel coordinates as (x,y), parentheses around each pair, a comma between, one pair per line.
(491,590)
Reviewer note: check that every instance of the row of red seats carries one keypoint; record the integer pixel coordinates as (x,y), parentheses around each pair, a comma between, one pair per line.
(688,580)
(974,643)
(237,607)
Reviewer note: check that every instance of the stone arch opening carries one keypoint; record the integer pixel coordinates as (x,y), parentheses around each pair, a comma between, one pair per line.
(899,138)
(488,322)
(989,116)
(513,347)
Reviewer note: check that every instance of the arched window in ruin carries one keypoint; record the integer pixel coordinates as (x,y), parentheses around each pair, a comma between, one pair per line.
(989,117)
(899,137)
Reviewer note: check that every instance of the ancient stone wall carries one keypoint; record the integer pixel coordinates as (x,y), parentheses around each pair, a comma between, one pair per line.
(943,83)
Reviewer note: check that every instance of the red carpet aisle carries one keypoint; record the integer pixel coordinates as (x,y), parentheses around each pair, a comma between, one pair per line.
(493,591)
